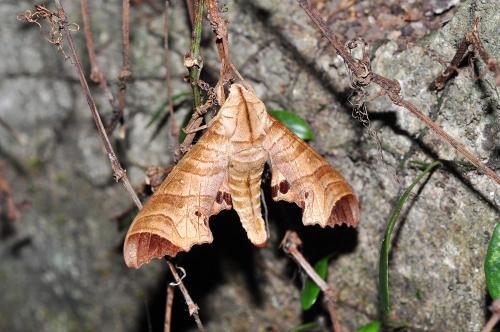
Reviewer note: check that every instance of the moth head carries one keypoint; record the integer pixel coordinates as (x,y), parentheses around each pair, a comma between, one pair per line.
(243,115)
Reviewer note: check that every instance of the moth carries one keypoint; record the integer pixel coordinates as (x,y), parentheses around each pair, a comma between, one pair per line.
(223,171)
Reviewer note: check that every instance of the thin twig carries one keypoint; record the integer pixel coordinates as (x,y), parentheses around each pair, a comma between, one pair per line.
(475,41)
(168,308)
(192,307)
(119,173)
(228,71)
(173,125)
(440,81)
(189,5)
(491,323)
(290,245)
(363,76)
(471,39)
(95,73)
(125,73)
(265,210)
(220,29)
(495,309)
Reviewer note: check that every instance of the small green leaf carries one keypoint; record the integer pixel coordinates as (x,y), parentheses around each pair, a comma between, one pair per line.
(305,327)
(295,123)
(383,273)
(370,327)
(163,108)
(492,264)
(310,292)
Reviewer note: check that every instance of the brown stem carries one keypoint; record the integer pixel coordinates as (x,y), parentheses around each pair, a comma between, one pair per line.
(173,126)
(189,5)
(495,309)
(479,48)
(125,73)
(125,40)
(290,244)
(440,81)
(491,323)
(219,27)
(192,307)
(95,73)
(118,172)
(470,39)
(332,38)
(441,133)
(168,308)
(363,75)
(227,70)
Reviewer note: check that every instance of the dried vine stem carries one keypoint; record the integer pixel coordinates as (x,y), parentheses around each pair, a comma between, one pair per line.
(95,73)
(168,308)
(220,29)
(189,5)
(192,307)
(495,309)
(363,75)
(119,173)
(228,71)
(290,245)
(124,74)
(470,39)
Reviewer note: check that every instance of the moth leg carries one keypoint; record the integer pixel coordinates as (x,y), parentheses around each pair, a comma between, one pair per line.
(192,131)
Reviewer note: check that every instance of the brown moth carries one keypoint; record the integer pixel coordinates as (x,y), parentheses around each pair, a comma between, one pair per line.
(223,170)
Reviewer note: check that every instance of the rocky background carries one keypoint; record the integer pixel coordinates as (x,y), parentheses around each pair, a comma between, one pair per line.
(62,268)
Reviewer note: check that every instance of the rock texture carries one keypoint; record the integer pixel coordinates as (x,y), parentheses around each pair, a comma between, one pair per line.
(62,268)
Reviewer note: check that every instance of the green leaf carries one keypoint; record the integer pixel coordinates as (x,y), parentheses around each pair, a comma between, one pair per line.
(305,327)
(492,264)
(295,123)
(386,243)
(310,292)
(163,108)
(370,327)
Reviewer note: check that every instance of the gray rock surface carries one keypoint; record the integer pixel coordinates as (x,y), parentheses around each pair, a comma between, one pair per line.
(61,266)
